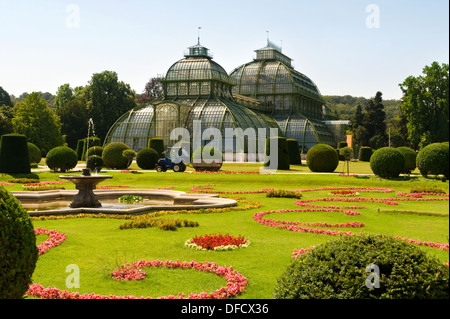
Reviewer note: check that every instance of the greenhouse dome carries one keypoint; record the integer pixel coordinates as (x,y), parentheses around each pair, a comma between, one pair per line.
(285,94)
(194,89)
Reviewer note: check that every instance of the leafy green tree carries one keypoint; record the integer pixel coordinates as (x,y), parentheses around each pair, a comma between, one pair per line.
(64,95)
(425,105)
(107,99)
(74,121)
(5,99)
(34,119)
(6,115)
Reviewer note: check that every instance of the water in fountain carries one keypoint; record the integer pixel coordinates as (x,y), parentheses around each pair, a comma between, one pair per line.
(91,129)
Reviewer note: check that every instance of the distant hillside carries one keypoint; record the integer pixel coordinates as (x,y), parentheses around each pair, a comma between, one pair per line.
(345,106)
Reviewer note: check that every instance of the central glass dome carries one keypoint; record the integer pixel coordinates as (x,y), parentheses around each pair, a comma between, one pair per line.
(194,89)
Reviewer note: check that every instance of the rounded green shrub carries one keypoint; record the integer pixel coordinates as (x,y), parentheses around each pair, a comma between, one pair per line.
(87,144)
(14,156)
(61,159)
(157,144)
(79,149)
(433,160)
(212,163)
(34,153)
(294,152)
(410,159)
(282,154)
(147,158)
(18,251)
(342,269)
(94,163)
(387,162)
(95,150)
(365,153)
(112,155)
(322,158)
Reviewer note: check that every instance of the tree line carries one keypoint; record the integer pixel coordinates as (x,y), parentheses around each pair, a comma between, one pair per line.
(420,118)
(53,120)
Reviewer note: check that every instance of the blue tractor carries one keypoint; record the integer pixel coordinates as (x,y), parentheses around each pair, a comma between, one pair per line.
(174,161)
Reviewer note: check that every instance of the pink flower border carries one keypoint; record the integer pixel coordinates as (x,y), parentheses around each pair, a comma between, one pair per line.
(236,282)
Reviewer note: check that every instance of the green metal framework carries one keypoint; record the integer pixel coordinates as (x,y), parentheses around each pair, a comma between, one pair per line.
(287,95)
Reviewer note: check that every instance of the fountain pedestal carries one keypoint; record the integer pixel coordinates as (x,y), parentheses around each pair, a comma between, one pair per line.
(85,186)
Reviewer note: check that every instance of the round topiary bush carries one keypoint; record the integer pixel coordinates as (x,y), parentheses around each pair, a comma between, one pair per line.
(14,156)
(34,153)
(147,158)
(112,155)
(344,269)
(213,162)
(410,159)
(365,153)
(387,162)
(294,152)
(87,144)
(282,154)
(95,150)
(94,163)
(433,160)
(322,158)
(61,159)
(157,144)
(18,251)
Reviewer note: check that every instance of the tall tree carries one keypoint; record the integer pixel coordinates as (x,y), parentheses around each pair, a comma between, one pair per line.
(375,122)
(74,121)
(64,95)
(34,119)
(358,117)
(425,105)
(153,90)
(107,99)
(5,99)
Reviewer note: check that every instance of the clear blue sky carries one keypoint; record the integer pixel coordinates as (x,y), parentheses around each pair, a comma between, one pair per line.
(329,40)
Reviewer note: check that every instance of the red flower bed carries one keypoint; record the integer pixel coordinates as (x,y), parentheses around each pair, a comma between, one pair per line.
(212,241)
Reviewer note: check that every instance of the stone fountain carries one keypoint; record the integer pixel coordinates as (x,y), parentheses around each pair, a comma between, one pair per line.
(85,183)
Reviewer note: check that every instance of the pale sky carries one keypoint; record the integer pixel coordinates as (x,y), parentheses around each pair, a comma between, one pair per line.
(353,47)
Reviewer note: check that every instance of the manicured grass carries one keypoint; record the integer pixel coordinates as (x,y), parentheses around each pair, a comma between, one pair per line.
(98,246)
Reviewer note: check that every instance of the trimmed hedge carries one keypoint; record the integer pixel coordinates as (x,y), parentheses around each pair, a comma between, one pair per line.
(410,159)
(322,158)
(157,144)
(365,153)
(387,162)
(434,160)
(61,159)
(34,153)
(112,155)
(338,270)
(147,158)
(18,251)
(14,157)
(214,163)
(282,153)
(294,152)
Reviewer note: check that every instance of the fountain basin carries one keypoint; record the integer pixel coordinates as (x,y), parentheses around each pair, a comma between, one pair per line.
(85,185)
(180,201)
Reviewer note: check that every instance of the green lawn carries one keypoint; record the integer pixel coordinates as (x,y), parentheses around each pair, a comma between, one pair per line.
(98,246)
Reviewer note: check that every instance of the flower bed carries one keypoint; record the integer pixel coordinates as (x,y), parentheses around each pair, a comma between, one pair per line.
(112,186)
(236,282)
(55,239)
(217,242)
(345,193)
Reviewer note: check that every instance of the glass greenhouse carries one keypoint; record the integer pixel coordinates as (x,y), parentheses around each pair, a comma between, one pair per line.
(261,95)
